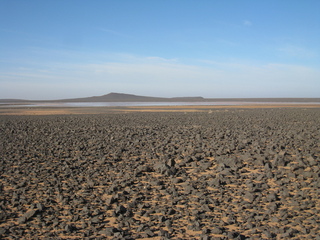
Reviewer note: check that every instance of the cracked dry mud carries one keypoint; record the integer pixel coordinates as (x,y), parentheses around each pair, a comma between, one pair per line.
(237,174)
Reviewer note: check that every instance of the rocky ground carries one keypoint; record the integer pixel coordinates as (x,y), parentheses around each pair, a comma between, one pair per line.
(237,174)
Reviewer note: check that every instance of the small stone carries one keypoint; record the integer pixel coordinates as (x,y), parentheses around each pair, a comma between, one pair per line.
(27,216)
(95,220)
(149,233)
(164,233)
(216,230)
(271,197)
(2,231)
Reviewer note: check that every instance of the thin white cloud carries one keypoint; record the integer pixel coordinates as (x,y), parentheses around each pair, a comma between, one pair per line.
(156,76)
(112,32)
(160,59)
(297,52)
(247,23)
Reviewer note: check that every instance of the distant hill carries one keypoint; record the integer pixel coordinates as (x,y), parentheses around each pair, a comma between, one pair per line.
(123,97)
(9,100)
(111,97)
(114,97)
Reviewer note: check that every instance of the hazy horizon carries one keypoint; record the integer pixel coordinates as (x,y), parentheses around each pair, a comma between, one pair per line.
(226,49)
(126,97)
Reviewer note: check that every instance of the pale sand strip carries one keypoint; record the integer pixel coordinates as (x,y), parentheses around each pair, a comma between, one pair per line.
(101,110)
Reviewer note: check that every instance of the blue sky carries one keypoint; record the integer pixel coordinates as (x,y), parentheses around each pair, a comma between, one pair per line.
(78,48)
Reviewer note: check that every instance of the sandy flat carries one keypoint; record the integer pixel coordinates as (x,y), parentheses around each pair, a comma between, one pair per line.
(101,110)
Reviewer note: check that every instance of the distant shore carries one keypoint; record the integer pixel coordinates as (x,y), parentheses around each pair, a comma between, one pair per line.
(126,98)
(40,110)
(121,102)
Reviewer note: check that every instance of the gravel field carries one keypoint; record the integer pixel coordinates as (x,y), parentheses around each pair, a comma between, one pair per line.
(227,174)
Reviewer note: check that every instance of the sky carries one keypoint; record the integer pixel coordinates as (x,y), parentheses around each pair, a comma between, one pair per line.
(164,48)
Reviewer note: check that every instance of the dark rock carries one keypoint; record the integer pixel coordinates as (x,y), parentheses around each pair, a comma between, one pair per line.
(109,231)
(216,182)
(164,233)
(27,216)
(40,207)
(217,230)
(95,220)
(249,197)
(171,162)
(271,197)
(69,228)
(2,231)
(149,233)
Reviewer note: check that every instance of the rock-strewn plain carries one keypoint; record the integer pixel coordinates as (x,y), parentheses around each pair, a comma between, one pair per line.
(236,174)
